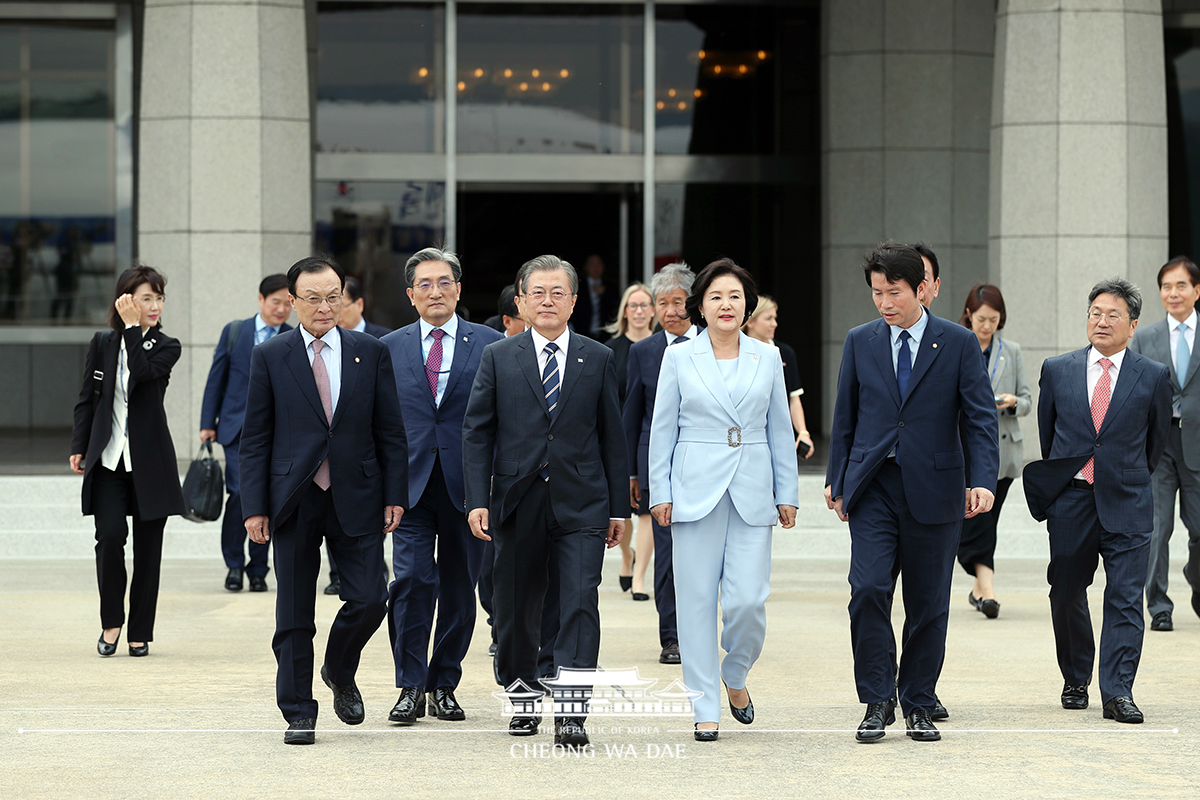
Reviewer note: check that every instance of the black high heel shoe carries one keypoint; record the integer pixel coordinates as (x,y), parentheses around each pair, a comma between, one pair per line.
(104,648)
(742,715)
(704,736)
(139,651)
(627,580)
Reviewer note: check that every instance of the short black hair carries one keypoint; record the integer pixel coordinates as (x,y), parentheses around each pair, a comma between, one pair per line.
(1180,261)
(317,263)
(129,281)
(507,305)
(923,250)
(722,266)
(896,262)
(272,284)
(353,289)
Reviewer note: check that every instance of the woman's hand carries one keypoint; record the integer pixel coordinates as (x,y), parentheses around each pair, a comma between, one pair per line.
(1009,401)
(128,309)
(807,439)
(77,463)
(787,516)
(662,514)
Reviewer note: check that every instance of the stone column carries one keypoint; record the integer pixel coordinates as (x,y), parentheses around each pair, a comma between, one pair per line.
(1079,165)
(224,169)
(907,98)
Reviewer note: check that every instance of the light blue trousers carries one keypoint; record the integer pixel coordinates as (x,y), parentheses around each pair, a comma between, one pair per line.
(720,554)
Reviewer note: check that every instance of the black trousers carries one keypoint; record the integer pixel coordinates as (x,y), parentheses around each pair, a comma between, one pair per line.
(297,550)
(527,544)
(113,499)
(977,545)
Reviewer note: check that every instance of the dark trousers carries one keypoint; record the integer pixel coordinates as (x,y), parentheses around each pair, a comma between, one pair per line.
(664,584)
(977,545)
(422,583)
(233,528)
(364,600)
(485,585)
(1077,541)
(113,499)
(528,544)
(884,534)
(1169,478)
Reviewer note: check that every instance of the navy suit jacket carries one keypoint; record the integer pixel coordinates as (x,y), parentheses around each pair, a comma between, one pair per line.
(224,404)
(870,419)
(1134,429)
(508,434)
(286,436)
(641,386)
(436,431)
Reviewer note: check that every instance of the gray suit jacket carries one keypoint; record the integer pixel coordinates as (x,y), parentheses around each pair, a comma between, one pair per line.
(1006,369)
(1155,342)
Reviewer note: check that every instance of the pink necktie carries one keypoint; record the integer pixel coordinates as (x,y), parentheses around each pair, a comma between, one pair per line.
(322,377)
(1100,399)
(433,364)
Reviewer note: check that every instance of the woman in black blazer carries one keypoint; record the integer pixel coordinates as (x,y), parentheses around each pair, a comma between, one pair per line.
(122,447)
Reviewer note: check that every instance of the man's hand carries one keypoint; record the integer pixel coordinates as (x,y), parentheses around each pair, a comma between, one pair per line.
(77,463)
(616,529)
(787,516)
(478,520)
(662,514)
(635,494)
(256,527)
(979,501)
(207,435)
(391,518)
(834,505)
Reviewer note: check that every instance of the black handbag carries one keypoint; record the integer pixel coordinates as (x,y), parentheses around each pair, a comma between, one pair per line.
(204,487)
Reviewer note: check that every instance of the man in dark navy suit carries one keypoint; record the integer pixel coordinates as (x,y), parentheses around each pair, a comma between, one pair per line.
(1104,413)
(323,457)
(352,318)
(897,472)
(670,286)
(221,415)
(435,360)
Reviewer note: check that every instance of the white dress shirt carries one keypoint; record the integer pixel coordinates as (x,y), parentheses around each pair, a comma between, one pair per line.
(361,327)
(916,331)
(451,329)
(563,341)
(332,354)
(1093,377)
(118,442)
(1175,328)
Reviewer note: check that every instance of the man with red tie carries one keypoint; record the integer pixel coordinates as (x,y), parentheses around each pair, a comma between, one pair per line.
(1092,487)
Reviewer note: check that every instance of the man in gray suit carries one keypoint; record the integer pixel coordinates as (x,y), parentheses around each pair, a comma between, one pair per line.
(1171,342)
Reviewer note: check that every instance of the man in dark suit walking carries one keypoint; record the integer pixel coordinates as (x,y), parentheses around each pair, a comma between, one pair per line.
(896,473)
(1103,417)
(435,360)
(597,301)
(670,286)
(221,415)
(323,457)
(545,470)
(1172,342)
(352,318)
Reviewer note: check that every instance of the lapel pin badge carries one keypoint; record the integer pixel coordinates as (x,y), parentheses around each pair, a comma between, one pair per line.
(356,359)
(935,345)
(581,361)
(465,339)
(148,345)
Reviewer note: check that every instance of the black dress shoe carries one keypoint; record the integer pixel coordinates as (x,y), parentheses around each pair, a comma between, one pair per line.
(347,702)
(920,728)
(640,596)
(302,731)
(523,726)
(1074,696)
(569,732)
(334,587)
(1123,709)
(705,736)
(1196,602)
(140,650)
(492,649)
(878,717)
(104,648)
(443,705)
(742,715)
(258,583)
(938,713)
(409,707)
(669,654)
(233,580)
(990,608)
(1162,622)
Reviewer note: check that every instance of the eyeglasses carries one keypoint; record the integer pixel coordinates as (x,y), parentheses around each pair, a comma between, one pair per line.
(1113,317)
(538,295)
(333,300)
(638,306)
(427,286)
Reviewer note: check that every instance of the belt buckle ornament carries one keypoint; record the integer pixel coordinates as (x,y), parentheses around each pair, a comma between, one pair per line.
(729,437)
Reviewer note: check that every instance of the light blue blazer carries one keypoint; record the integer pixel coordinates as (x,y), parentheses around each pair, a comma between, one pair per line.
(706,439)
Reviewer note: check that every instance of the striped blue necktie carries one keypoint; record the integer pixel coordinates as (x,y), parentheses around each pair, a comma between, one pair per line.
(550,379)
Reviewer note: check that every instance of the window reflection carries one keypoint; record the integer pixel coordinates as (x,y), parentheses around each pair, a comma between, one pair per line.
(549,79)
(699,222)
(379,77)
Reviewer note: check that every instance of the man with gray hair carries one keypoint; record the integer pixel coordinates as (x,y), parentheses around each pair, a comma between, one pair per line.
(670,288)
(544,466)
(1092,487)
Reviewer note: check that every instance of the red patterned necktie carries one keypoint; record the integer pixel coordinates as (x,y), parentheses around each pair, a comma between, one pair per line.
(322,377)
(433,364)
(1100,399)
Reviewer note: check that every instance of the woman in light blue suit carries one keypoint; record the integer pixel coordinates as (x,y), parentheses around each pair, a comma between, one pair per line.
(722,472)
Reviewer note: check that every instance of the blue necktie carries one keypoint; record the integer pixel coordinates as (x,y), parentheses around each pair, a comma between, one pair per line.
(680,340)
(904,364)
(1182,355)
(550,379)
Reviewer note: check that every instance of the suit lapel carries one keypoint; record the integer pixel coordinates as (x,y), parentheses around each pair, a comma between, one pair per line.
(880,345)
(1077,379)
(350,369)
(750,358)
(996,362)
(462,352)
(297,361)
(1193,361)
(415,358)
(706,365)
(1131,373)
(927,351)
(527,359)
(576,361)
